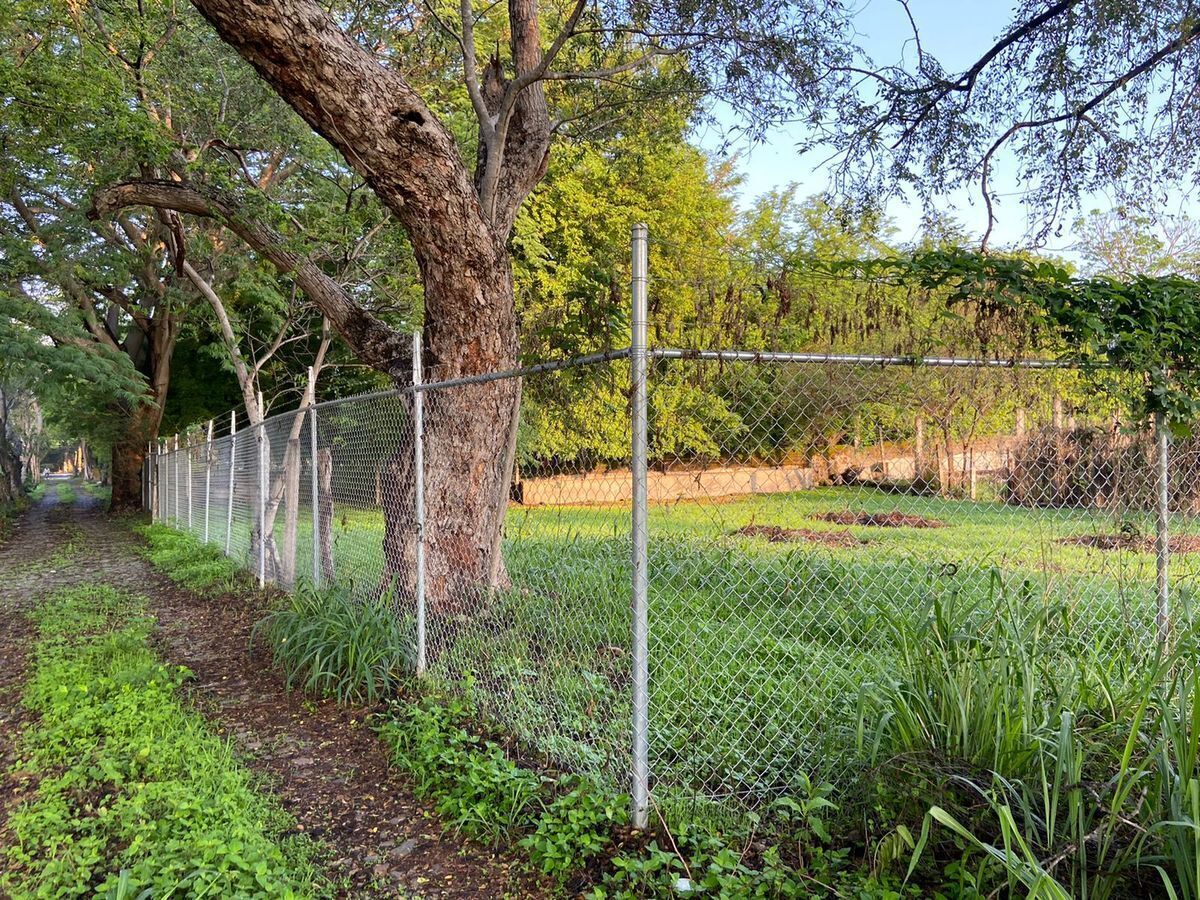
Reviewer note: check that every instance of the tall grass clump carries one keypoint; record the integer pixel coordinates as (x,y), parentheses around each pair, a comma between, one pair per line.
(1045,765)
(330,644)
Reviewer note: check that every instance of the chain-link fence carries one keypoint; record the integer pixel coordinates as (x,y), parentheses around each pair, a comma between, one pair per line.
(681,569)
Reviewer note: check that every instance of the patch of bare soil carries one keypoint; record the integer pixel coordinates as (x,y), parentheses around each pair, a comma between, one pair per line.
(325,762)
(1181,543)
(893,519)
(775,534)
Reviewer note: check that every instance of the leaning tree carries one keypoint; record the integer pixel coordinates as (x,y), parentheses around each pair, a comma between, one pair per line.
(528,76)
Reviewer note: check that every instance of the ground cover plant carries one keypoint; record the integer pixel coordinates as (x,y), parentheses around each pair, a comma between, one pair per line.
(135,796)
(100,492)
(188,561)
(65,492)
(998,735)
(576,832)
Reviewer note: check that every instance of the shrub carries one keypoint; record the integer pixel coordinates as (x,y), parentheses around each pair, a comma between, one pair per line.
(331,644)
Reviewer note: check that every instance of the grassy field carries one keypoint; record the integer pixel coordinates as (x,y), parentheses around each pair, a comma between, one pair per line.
(759,649)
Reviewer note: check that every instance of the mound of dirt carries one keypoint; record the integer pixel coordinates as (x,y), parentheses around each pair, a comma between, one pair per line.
(893,519)
(1181,543)
(774,534)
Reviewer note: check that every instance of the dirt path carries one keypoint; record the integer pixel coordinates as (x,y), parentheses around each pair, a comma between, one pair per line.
(328,767)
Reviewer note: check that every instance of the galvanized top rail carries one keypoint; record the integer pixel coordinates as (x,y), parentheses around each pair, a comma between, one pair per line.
(772,356)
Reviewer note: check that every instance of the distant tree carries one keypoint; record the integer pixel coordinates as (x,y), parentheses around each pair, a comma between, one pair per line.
(1122,243)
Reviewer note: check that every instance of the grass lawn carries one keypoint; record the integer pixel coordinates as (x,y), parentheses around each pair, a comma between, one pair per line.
(758,649)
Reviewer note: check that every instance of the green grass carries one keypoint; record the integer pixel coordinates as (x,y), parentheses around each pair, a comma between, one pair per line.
(101,492)
(758,650)
(135,796)
(188,562)
(65,492)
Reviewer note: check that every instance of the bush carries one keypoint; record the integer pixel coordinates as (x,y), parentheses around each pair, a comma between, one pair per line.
(1045,766)
(331,644)
(136,796)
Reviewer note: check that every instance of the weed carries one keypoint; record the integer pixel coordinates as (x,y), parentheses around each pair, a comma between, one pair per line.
(136,796)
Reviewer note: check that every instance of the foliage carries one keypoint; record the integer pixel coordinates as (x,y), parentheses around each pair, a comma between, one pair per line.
(1072,99)
(1048,766)
(188,561)
(329,643)
(1141,329)
(561,823)
(134,792)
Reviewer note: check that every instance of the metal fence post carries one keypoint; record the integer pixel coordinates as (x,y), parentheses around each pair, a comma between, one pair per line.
(232,471)
(262,496)
(188,469)
(151,481)
(419,493)
(640,790)
(175,476)
(316,494)
(1162,541)
(164,482)
(207,476)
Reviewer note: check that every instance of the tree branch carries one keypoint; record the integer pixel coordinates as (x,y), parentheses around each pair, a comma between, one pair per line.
(373,341)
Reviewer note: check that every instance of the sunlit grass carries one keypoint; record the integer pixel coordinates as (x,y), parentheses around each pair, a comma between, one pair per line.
(758,649)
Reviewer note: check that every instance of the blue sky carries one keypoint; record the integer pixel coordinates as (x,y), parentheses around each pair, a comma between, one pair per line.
(957,32)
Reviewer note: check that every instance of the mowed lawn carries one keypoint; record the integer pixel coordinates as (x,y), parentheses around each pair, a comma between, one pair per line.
(758,649)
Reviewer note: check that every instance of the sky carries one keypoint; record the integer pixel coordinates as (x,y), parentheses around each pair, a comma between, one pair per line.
(957,32)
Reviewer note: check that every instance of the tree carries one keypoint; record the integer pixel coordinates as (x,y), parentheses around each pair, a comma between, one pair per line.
(458,215)
(48,359)
(1086,94)
(1122,243)
(92,94)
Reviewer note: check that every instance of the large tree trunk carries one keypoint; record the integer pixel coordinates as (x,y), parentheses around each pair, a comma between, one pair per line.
(458,224)
(10,485)
(129,455)
(466,472)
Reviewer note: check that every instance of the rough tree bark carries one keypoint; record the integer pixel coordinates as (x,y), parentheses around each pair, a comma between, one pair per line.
(458,224)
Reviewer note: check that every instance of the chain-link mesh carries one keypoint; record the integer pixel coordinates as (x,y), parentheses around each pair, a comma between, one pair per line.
(799,513)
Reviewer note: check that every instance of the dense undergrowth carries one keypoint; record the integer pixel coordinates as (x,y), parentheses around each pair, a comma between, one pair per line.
(135,797)
(1004,751)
